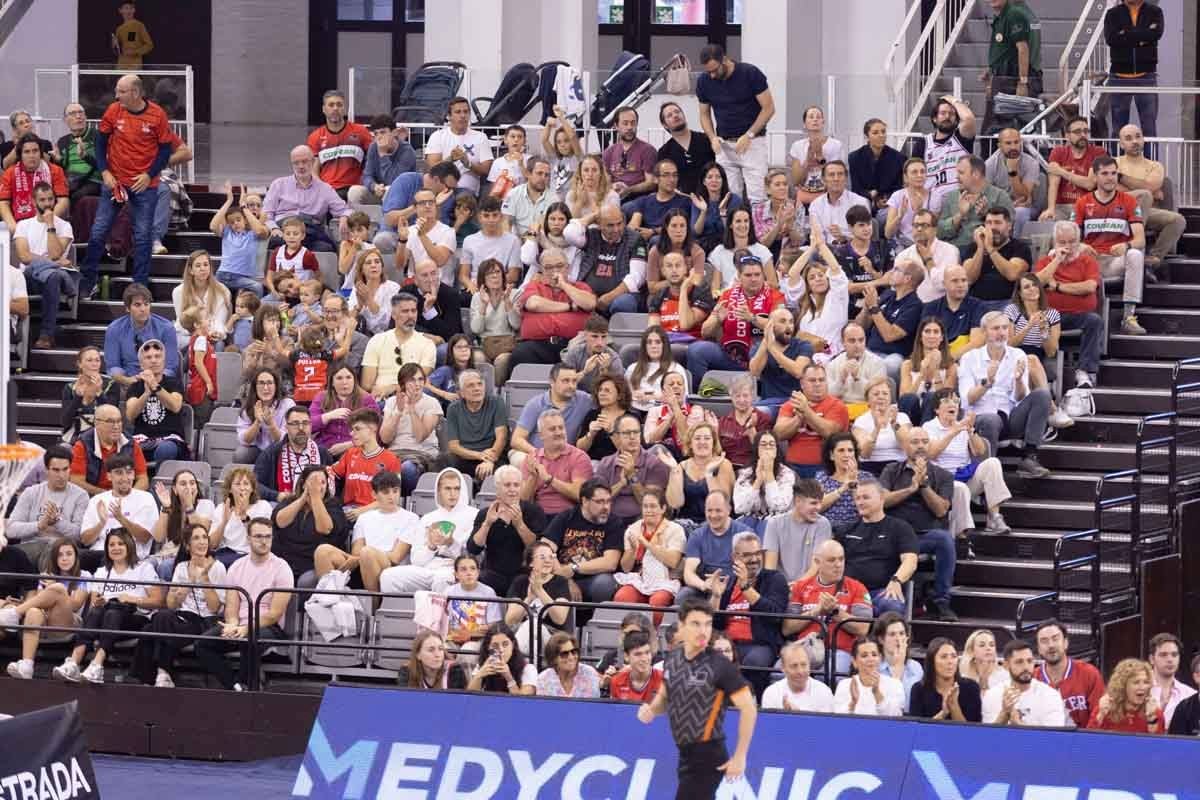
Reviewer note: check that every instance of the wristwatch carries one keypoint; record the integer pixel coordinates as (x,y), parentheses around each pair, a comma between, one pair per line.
(574,569)
(896,579)
(1012,173)
(984,382)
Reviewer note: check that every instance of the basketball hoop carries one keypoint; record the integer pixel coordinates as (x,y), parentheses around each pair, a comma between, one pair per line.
(16,461)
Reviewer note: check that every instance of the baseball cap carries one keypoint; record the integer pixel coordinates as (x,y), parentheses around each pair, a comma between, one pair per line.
(151,343)
(746,257)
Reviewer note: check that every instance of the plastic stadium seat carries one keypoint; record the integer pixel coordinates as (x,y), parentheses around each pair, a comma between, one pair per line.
(393,626)
(424,496)
(627,328)
(329,270)
(603,632)
(320,660)
(531,375)
(167,471)
(229,377)
(487,492)
(517,398)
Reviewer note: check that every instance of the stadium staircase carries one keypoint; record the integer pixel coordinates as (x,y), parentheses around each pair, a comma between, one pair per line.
(1135,380)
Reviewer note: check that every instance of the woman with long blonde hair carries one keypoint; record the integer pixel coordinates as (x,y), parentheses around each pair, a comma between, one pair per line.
(371,299)
(201,290)
(591,190)
(1128,704)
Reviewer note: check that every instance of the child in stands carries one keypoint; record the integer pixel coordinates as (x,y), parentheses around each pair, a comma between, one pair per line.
(308,311)
(291,257)
(239,234)
(355,242)
(241,324)
(362,462)
(310,364)
(201,390)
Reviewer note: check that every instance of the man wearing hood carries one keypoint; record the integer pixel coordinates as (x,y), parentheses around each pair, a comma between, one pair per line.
(440,538)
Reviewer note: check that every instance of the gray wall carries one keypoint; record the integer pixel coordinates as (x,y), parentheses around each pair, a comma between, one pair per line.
(260,61)
(47,36)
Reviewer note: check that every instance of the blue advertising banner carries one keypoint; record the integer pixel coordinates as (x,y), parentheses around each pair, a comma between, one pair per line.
(395,744)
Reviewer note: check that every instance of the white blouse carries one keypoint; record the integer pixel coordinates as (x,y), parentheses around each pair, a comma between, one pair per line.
(887,448)
(834,314)
(377,322)
(654,387)
(774,497)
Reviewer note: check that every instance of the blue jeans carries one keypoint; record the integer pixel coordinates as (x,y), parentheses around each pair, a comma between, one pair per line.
(704,355)
(882,603)
(165,450)
(806,470)
(753,654)
(1147,104)
(141,209)
(52,283)
(1092,341)
(162,211)
(410,473)
(627,303)
(940,544)
(235,283)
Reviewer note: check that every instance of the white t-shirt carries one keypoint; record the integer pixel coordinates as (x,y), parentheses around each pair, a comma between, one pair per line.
(886,447)
(15,284)
(893,698)
(110,586)
(906,220)
(722,260)
(235,536)
(815,697)
(834,313)
(377,321)
(137,506)
(404,440)
(33,231)
(956,454)
(503,164)
(655,386)
(195,601)
(381,531)
(933,286)
(833,150)
(441,234)
(1040,705)
(476,145)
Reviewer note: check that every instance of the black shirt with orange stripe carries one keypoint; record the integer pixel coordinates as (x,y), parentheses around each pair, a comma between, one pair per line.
(698,691)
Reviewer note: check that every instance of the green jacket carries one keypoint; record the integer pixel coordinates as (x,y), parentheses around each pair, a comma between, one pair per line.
(1016,22)
(961,235)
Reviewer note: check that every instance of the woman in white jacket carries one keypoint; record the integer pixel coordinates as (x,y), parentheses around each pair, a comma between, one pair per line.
(446,528)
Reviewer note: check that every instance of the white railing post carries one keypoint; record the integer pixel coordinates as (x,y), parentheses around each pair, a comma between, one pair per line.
(350,92)
(190,112)
(831,103)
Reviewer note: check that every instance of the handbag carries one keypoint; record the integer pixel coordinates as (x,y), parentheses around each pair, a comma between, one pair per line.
(498,345)
(679,77)
(1079,402)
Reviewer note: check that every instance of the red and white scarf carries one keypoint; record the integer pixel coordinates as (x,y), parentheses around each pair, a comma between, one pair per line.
(23,205)
(291,464)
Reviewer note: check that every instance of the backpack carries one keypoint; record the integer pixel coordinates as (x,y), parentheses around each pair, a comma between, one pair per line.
(1079,402)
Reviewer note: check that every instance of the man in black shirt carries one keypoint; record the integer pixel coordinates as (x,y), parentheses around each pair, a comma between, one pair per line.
(738,95)
(687,149)
(1186,719)
(439,307)
(589,542)
(998,259)
(503,530)
(696,682)
(881,551)
(154,405)
(919,492)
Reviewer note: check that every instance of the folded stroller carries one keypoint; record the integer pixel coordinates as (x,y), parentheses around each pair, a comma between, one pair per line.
(519,91)
(632,82)
(426,95)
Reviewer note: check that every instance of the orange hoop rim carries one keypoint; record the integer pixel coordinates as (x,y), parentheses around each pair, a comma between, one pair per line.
(18,452)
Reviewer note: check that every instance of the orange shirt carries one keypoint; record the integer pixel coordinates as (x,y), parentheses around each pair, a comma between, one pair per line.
(805,446)
(356,471)
(134,139)
(79,463)
(341,155)
(540,326)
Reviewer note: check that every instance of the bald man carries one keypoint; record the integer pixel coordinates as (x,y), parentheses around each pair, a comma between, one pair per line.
(1144,178)
(302,194)
(835,599)
(133,145)
(612,263)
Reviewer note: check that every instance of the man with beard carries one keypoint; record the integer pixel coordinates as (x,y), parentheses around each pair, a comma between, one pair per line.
(891,318)
(42,244)
(1013,170)
(953,138)
(738,95)
(1143,178)
(525,206)
(629,160)
(965,205)
(588,540)
(461,145)
(998,261)
(389,156)
(1080,685)
(564,396)
(688,150)
(778,360)
(1070,171)
(391,349)
(1022,701)
(339,145)
(613,264)
(740,315)
(278,468)
(683,304)
(18,181)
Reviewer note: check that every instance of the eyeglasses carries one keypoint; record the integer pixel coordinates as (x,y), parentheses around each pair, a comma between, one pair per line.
(300,423)
(566,653)
(423,203)
(1078,131)
(109,421)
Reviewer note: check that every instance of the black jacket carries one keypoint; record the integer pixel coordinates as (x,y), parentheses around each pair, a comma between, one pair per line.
(449,307)
(773,590)
(1186,719)
(1133,48)
(884,175)
(266,469)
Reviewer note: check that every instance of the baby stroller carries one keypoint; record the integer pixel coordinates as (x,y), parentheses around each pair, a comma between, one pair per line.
(426,96)
(519,91)
(631,83)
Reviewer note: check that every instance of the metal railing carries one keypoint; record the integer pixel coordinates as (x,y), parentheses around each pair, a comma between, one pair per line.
(910,84)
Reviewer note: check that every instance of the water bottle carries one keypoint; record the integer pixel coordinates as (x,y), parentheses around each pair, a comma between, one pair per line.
(104,288)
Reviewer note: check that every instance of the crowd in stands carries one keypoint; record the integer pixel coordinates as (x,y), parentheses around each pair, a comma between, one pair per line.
(888,327)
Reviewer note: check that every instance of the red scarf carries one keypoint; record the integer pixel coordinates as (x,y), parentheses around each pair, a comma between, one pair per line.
(23,205)
(647,535)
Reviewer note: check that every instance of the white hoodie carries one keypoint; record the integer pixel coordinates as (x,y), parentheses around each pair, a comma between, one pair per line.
(461,520)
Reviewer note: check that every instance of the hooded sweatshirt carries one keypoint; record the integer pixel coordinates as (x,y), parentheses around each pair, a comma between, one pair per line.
(458,522)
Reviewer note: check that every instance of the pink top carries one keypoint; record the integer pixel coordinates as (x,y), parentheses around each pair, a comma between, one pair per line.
(335,431)
(274,573)
(571,465)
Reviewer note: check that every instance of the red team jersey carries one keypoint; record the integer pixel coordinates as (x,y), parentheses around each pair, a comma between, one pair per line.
(1081,689)
(851,596)
(356,471)
(619,688)
(1062,155)
(311,371)
(134,140)
(1102,225)
(340,155)
(737,335)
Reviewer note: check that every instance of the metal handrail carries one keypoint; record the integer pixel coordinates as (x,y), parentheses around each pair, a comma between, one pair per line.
(1019,622)
(906,111)
(1071,84)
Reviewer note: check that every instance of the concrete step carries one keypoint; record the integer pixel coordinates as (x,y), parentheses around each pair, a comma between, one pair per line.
(1113,429)
(43,413)
(1164,321)
(41,385)
(985,601)
(40,435)
(1067,486)
(1153,347)
(1173,295)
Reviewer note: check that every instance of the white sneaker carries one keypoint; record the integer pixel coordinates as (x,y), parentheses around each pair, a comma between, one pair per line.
(159,248)
(996,523)
(9,617)
(94,674)
(1060,419)
(22,670)
(68,671)
(237,687)
(1083,379)
(163,681)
